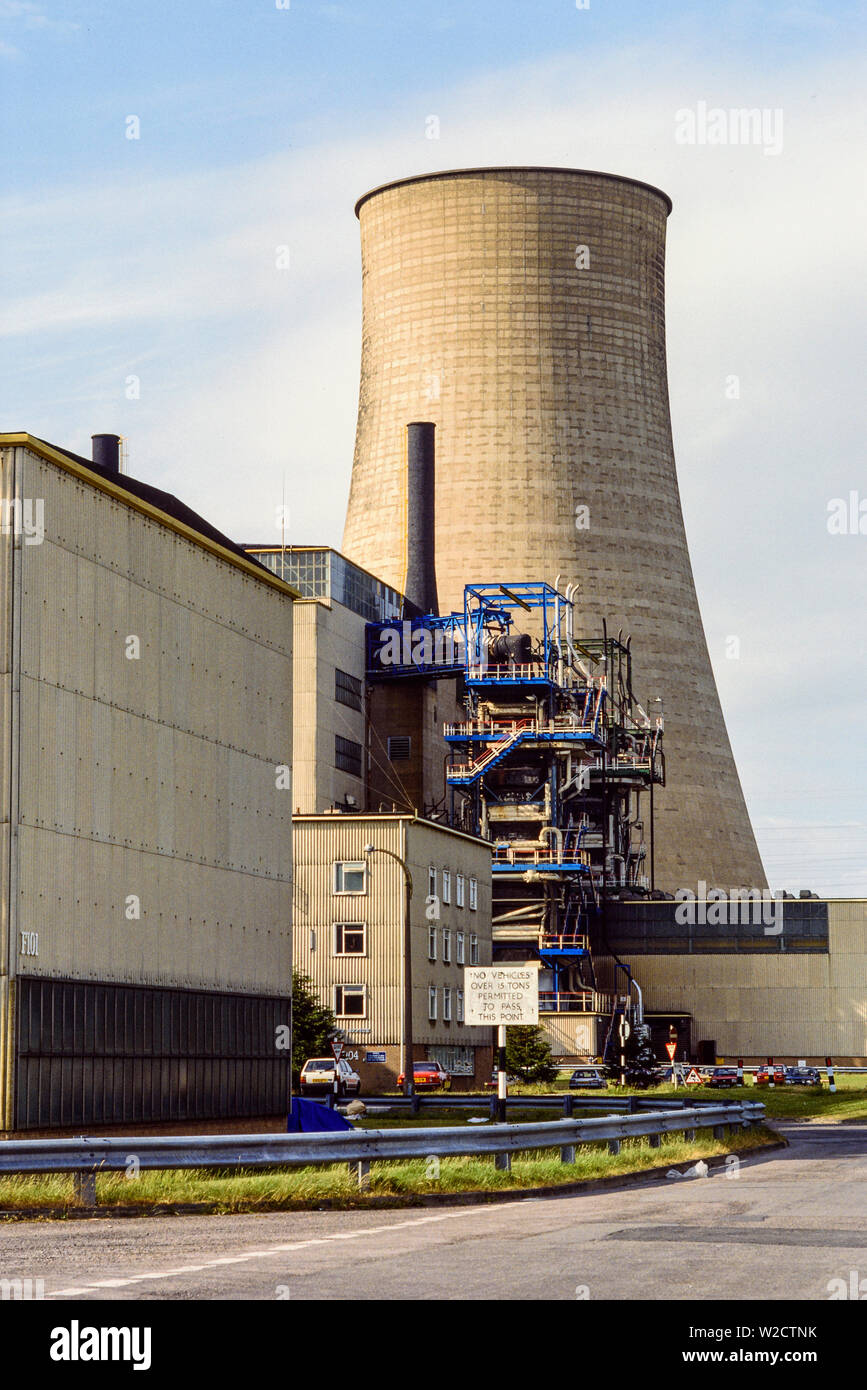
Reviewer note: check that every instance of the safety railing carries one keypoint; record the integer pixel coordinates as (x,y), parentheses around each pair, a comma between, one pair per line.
(586,1001)
(563,942)
(87,1158)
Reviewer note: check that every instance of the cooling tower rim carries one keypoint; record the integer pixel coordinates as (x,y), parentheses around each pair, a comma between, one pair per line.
(513,169)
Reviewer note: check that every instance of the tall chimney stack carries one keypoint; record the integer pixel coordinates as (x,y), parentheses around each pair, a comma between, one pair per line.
(420,580)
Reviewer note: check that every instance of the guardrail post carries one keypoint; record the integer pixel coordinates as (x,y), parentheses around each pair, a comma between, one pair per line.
(414,1103)
(719,1131)
(567,1153)
(689,1136)
(654,1140)
(568,1106)
(503,1162)
(614,1146)
(362,1172)
(632,1105)
(493,1107)
(84,1187)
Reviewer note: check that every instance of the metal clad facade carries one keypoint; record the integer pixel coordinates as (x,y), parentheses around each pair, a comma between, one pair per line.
(99,1054)
(145,838)
(328,637)
(320,842)
(783,1004)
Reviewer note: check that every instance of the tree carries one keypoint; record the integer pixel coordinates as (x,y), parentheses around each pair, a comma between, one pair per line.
(641,1065)
(528,1054)
(313,1025)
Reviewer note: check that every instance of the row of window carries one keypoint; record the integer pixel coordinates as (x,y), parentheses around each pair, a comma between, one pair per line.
(350,939)
(460,950)
(350,876)
(447,992)
(460,888)
(350,1001)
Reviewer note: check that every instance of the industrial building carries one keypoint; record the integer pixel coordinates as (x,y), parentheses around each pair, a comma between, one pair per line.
(351,874)
(499,696)
(145,826)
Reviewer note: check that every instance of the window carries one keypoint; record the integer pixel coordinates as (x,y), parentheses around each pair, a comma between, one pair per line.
(474,949)
(459,947)
(459,885)
(350,939)
(432,1004)
(400,748)
(459,1006)
(474,895)
(347,755)
(447,885)
(447,1004)
(447,945)
(432,883)
(350,876)
(431,943)
(349,1001)
(347,689)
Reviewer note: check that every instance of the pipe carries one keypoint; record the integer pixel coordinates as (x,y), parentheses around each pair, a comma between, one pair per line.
(105,451)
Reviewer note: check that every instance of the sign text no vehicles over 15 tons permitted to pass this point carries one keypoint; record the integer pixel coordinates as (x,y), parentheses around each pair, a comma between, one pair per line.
(501,994)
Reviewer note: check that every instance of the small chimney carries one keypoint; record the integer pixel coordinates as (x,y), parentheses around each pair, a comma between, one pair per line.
(106,452)
(420,583)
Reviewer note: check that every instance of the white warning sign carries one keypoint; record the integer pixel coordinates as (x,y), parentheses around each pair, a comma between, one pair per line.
(502,994)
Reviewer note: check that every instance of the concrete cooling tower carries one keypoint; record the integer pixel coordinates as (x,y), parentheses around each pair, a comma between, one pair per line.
(523,312)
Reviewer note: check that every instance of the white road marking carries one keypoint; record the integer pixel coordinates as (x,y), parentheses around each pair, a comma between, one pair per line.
(274,1250)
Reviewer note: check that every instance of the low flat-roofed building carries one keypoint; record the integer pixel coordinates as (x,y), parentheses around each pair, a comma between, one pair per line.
(349,938)
(145,804)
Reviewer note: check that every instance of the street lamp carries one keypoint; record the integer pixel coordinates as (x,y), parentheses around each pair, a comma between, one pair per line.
(408,1079)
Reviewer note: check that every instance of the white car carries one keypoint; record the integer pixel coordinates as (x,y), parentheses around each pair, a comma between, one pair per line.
(317,1077)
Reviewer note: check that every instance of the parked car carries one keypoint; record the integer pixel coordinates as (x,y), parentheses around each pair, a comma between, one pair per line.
(587,1079)
(719,1077)
(428,1076)
(802,1076)
(765,1075)
(317,1077)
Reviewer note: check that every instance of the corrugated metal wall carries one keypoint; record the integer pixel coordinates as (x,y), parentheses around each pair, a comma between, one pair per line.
(156,777)
(321,841)
(785,1004)
(105,1054)
(326,637)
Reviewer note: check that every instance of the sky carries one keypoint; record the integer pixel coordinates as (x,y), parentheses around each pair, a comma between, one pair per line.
(162,163)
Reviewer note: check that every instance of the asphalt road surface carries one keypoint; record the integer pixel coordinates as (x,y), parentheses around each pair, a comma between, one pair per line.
(779,1226)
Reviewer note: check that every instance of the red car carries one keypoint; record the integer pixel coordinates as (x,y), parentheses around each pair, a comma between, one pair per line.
(428,1076)
(776,1073)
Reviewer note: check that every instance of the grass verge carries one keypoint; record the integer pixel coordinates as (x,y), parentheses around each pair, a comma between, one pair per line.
(294,1189)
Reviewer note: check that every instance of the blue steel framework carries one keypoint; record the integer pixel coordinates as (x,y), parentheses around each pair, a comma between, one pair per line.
(550,765)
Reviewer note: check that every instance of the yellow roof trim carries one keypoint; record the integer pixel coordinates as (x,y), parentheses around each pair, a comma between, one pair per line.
(36,446)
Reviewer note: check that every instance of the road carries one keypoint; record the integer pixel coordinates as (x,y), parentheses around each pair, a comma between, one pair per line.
(781,1226)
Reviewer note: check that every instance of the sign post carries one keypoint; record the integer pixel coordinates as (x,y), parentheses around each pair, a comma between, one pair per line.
(337,1051)
(499,995)
(625,1030)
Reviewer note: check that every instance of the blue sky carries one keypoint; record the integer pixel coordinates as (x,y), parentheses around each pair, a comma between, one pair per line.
(154,259)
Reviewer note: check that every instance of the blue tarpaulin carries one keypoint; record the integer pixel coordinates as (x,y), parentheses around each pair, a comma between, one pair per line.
(309,1117)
